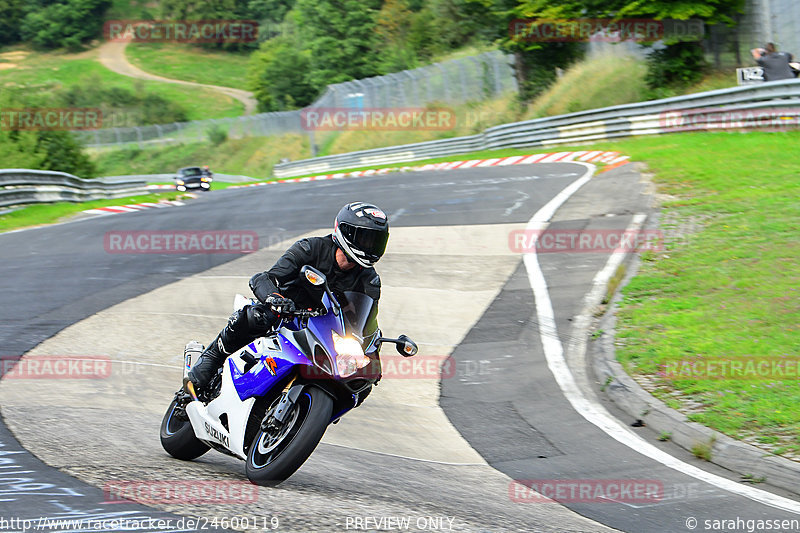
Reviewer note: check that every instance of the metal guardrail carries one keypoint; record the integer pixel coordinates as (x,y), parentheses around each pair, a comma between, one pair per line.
(23,186)
(169,178)
(653,117)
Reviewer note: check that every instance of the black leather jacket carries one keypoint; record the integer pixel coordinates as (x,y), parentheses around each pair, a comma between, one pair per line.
(320,252)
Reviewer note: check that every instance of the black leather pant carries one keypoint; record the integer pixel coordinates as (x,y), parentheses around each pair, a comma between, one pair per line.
(243,327)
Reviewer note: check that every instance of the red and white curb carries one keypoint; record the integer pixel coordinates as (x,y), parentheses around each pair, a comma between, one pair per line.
(611,159)
(129,208)
(161,187)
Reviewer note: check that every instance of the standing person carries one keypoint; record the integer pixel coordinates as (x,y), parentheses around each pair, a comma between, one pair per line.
(775,64)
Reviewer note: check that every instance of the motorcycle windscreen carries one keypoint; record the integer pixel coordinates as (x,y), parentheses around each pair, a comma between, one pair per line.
(360,314)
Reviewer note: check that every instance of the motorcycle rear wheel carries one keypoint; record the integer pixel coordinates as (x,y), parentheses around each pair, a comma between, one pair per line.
(275,455)
(177,435)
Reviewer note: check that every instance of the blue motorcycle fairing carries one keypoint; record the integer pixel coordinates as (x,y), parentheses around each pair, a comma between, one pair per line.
(259,379)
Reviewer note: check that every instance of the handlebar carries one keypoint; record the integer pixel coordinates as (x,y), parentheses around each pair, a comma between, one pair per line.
(307,313)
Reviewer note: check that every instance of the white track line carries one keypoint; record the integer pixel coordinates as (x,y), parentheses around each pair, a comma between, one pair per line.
(591,411)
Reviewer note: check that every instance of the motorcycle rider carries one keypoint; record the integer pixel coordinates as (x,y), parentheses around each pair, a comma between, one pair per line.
(345,257)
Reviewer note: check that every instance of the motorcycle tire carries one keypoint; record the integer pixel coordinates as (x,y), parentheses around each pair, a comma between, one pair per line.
(273,458)
(178,438)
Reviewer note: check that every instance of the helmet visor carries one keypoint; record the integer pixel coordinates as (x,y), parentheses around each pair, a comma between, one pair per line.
(372,242)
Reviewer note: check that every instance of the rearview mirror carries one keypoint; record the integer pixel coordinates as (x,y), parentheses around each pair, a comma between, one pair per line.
(313,276)
(406,347)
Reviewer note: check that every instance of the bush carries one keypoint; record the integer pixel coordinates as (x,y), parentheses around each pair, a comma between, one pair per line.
(63,23)
(121,107)
(60,151)
(40,150)
(677,65)
(217,135)
(278,76)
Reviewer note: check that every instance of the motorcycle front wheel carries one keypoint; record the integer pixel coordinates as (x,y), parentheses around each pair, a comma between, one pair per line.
(276,453)
(177,434)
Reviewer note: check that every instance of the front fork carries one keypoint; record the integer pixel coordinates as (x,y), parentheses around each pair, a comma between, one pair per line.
(288,399)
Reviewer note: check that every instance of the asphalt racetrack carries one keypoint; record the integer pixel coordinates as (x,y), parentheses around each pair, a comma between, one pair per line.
(436,447)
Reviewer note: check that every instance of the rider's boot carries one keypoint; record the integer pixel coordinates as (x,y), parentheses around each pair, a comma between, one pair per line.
(210,360)
(243,327)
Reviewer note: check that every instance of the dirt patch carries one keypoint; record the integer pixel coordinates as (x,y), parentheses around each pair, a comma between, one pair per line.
(6,66)
(16,55)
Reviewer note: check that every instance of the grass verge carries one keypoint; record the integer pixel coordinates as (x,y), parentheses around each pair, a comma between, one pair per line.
(253,156)
(42,72)
(609,80)
(726,287)
(36,215)
(190,63)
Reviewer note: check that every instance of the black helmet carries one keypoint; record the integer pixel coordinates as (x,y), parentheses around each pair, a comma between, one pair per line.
(361,231)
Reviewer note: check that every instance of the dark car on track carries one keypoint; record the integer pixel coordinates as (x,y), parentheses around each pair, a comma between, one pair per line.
(193,178)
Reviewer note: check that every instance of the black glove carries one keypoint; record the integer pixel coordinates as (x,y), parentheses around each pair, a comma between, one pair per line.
(263,287)
(280,306)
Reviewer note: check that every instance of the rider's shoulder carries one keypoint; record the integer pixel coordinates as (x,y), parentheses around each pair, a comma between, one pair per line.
(309,245)
(371,277)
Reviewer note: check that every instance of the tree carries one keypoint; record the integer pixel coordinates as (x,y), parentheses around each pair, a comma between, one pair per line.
(340,36)
(536,62)
(11,13)
(60,151)
(272,10)
(63,23)
(278,75)
(40,150)
(395,22)
(682,60)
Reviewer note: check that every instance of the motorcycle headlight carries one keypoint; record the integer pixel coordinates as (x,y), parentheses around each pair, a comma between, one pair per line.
(180,182)
(349,355)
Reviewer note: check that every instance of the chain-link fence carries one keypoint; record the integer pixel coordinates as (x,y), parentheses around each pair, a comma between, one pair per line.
(471,78)
(456,81)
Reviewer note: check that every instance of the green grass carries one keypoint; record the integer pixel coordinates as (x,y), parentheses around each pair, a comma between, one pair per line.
(731,290)
(613,80)
(36,215)
(601,82)
(253,156)
(190,63)
(41,72)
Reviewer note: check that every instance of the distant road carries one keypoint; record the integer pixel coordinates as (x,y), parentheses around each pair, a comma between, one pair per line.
(112,56)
